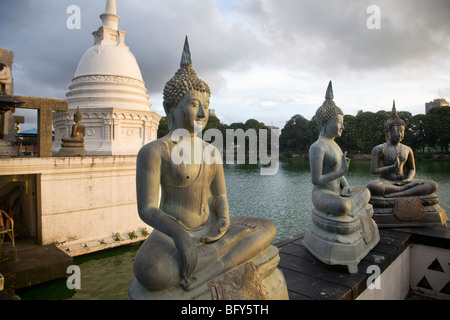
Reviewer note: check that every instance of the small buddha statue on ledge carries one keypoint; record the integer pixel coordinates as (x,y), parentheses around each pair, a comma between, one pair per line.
(343,231)
(398,198)
(73,146)
(196,249)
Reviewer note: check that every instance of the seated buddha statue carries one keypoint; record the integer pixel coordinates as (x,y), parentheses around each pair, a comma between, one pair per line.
(74,145)
(342,214)
(78,129)
(396,187)
(194,239)
(395,164)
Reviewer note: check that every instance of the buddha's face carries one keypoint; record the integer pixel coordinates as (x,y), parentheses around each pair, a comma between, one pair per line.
(192,112)
(335,127)
(396,133)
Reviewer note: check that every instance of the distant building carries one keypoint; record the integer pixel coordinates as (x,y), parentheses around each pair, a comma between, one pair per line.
(27,141)
(435,103)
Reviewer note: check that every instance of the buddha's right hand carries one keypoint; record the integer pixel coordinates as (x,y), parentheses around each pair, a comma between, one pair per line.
(187,247)
(399,161)
(345,163)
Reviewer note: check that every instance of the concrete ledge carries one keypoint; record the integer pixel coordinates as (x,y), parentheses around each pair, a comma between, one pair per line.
(393,283)
(34,265)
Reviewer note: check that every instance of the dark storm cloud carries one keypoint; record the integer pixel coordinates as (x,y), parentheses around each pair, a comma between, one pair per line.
(319,34)
(333,33)
(322,39)
(46,52)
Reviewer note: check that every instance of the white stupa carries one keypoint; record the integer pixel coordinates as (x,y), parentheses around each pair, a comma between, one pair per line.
(110,92)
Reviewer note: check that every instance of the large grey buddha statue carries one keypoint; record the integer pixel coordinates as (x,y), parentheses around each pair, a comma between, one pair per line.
(343,231)
(397,197)
(196,250)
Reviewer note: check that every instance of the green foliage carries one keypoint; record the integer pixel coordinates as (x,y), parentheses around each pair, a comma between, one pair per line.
(362,132)
(144,232)
(163,127)
(132,235)
(215,123)
(366,130)
(437,128)
(298,134)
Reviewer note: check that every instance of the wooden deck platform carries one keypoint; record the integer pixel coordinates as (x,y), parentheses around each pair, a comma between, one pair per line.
(308,278)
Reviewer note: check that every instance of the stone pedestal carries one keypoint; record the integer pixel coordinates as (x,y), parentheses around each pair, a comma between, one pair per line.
(72,149)
(342,240)
(418,211)
(7,150)
(258,279)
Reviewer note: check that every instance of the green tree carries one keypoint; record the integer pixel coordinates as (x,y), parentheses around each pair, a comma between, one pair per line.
(298,134)
(367,130)
(437,127)
(214,123)
(163,128)
(350,141)
(415,133)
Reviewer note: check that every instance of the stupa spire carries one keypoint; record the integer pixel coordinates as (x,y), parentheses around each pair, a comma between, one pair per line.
(110,18)
(111,7)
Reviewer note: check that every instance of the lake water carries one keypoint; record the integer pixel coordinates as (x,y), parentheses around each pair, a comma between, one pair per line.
(284,198)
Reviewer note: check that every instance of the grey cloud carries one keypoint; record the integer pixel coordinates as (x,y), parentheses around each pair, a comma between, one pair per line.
(316,37)
(332,34)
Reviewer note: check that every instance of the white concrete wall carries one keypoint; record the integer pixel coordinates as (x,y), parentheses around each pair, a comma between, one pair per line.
(83,201)
(394,281)
(109,131)
(430,271)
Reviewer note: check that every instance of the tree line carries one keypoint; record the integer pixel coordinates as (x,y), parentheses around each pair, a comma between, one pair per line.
(215,123)
(423,133)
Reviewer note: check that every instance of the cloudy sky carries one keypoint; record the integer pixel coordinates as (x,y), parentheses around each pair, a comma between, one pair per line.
(263,59)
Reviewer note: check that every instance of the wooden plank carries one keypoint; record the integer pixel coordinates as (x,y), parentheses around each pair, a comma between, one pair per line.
(306,276)
(391,251)
(318,269)
(296,296)
(314,288)
(435,237)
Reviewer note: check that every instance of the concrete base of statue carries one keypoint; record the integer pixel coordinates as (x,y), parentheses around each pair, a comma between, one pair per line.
(342,240)
(417,211)
(258,279)
(72,149)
